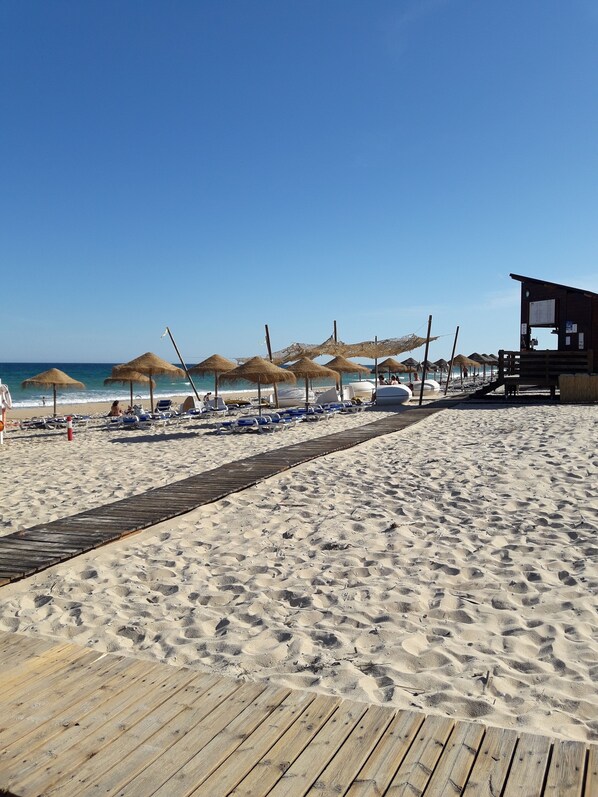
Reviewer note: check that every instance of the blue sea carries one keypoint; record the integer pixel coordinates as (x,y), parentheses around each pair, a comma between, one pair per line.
(92,375)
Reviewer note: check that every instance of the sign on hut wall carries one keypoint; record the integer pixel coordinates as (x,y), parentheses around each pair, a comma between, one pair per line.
(542,313)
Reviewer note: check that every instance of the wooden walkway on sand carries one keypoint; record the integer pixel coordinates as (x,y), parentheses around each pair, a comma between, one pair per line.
(74,721)
(30,550)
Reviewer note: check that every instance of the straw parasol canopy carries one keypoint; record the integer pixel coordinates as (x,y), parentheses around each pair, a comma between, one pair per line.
(344,366)
(151,365)
(479,359)
(392,365)
(54,378)
(213,365)
(412,365)
(123,375)
(260,372)
(464,362)
(441,365)
(308,369)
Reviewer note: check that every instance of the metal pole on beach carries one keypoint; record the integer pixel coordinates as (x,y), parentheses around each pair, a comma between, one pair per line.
(176,348)
(450,370)
(376,360)
(421,391)
(270,356)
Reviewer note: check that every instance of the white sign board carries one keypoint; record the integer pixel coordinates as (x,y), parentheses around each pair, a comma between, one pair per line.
(542,313)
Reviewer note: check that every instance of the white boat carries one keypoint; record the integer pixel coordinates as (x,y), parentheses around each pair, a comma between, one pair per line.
(430,386)
(292,397)
(387,395)
(359,390)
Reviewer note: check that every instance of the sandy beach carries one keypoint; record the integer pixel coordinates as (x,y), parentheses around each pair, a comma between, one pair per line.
(451,567)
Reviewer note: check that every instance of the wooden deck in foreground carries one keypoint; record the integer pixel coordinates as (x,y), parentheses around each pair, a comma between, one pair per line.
(74,722)
(31,550)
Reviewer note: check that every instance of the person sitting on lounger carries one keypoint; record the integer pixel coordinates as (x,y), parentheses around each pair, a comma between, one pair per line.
(115,410)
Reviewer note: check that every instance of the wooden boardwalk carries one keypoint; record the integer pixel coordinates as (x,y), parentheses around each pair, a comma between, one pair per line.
(38,547)
(75,722)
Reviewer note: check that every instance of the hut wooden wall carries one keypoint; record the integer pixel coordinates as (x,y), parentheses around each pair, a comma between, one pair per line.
(571,305)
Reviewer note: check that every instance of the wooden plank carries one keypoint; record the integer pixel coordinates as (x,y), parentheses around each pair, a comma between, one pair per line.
(12,544)
(491,767)
(254,747)
(450,776)
(29,730)
(416,769)
(310,763)
(526,778)
(53,683)
(281,756)
(81,756)
(566,770)
(65,724)
(344,767)
(22,665)
(591,785)
(212,754)
(380,768)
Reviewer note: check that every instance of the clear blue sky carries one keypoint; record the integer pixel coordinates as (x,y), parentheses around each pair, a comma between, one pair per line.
(216,166)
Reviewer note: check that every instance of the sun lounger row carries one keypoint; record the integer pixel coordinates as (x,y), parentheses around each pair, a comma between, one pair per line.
(58,422)
(272,422)
(275,421)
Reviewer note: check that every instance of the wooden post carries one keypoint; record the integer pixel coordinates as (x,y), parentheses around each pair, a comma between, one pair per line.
(340,375)
(270,356)
(176,348)
(450,370)
(421,392)
(376,360)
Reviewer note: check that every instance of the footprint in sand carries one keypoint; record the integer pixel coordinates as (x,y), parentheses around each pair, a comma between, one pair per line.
(415,644)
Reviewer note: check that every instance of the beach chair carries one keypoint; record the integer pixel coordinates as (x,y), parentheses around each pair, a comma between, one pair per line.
(216,406)
(164,405)
(280,421)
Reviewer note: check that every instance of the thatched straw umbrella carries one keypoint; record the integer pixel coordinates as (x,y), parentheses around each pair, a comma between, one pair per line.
(54,378)
(344,366)
(442,366)
(480,360)
(151,365)
(260,372)
(123,375)
(492,361)
(393,366)
(213,365)
(308,369)
(464,362)
(412,366)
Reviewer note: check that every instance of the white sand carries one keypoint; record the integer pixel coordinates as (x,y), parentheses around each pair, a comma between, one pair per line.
(451,567)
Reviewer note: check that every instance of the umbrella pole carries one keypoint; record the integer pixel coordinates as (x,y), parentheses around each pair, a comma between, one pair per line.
(306,395)
(151,393)
(421,392)
(131,404)
(54,392)
(450,368)
(272,361)
(215,390)
(185,369)
(259,397)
